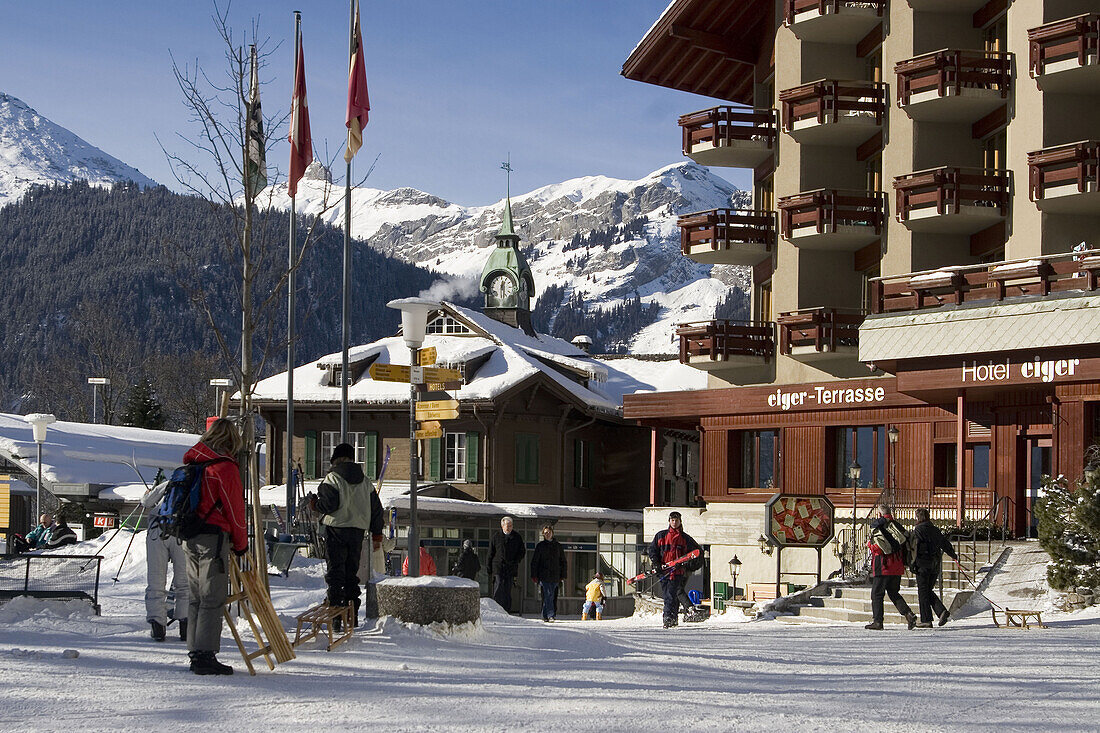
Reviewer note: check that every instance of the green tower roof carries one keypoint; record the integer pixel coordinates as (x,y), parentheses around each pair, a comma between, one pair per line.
(506,228)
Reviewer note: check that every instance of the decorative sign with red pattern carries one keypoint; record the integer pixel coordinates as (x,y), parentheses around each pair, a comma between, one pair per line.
(798,521)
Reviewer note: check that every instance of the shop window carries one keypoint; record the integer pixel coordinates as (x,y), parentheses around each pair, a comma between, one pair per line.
(865,445)
(527,458)
(943,465)
(759,455)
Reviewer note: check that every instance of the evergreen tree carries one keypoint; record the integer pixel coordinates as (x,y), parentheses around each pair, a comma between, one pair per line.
(1069,527)
(142,408)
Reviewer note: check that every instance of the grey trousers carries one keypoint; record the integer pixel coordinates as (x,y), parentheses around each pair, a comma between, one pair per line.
(158,551)
(208,581)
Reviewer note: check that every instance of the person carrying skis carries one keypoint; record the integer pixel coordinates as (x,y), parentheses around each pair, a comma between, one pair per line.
(668,545)
(886,570)
(548,571)
(506,551)
(593,598)
(931,545)
(467,565)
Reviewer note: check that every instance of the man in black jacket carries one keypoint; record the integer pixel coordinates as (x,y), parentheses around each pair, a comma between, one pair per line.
(931,544)
(548,570)
(467,565)
(505,553)
(668,545)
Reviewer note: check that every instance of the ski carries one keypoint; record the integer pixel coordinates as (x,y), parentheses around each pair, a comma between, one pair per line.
(649,573)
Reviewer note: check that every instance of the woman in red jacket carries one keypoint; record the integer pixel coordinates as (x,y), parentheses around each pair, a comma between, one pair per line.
(222,513)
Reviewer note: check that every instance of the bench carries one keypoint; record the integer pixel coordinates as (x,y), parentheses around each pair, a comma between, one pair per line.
(51,576)
(322,618)
(1019,619)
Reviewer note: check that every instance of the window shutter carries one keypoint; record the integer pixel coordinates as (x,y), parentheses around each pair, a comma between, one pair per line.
(590,465)
(311,454)
(578,462)
(472,456)
(435,454)
(370,467)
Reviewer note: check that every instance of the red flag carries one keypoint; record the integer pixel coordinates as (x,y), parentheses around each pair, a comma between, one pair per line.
(301,145)
(358,101)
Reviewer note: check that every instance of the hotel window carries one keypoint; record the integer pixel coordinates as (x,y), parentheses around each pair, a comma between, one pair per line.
(454,457)
(995,35)
(365,445)
(527,458)
(454,467)
(993,150)
(763,194)
(762,302)
(943,465)
(872,64)
(979,465)
(759,455)
(446,324)
(867,446)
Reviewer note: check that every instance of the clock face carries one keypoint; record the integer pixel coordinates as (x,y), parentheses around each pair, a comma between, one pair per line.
(502,287)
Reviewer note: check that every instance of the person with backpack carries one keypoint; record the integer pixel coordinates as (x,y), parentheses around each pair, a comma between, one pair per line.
(930,548)
(160,549)
(887,546)
(548,571)
(668,545)
(467,565)
(344,501)
(61,534)
(218,527)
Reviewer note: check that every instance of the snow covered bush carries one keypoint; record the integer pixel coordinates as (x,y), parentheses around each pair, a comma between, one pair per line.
(1069,527)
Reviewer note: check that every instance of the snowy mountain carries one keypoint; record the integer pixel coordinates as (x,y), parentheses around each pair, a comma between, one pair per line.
(605,239)
(35,150)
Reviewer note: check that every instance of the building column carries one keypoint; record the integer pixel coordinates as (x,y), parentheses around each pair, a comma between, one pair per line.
(654,464)
(960,457)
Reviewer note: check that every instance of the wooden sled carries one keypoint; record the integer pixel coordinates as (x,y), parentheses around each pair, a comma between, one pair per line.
(322,619)
(1018,619)
(248,591)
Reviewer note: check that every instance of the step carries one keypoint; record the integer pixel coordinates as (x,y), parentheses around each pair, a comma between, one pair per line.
(846,615)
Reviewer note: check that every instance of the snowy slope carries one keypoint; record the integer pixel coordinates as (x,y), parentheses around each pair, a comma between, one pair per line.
(35,150)
(455,240)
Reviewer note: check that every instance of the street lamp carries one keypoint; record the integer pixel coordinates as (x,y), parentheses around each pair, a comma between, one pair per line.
(96,382)
(38,423)
(892,434)
(735,567)
(414,324)
(854,471)
(219,385)
(765,545)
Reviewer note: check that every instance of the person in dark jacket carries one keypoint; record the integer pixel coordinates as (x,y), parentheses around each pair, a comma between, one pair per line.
(548,571)
(668,545)
(886,570)
(344,500)
(222,511)
(61,534)
(931,546)
(467,565)
(505,553)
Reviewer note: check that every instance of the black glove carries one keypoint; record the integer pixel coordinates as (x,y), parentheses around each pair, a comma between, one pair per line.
(311,499)
(240,553)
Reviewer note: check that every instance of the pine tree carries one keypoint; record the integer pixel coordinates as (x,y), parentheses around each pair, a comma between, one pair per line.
(142,408)
(1069,527)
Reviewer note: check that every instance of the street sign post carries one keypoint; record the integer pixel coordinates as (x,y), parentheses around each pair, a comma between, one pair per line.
(422,415)
(426,356)
(389,372)
(440,374)
(429,429)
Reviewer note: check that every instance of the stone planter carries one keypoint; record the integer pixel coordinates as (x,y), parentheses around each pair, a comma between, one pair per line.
(429,600)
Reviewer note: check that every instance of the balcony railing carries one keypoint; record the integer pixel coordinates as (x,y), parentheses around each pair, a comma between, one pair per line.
(822,330)
(1076,271)
(833,21)
(743,137)
(826,211)
(830,101)
(792,8)
(954,73)
(728,236)
(942,192)
(1066,44)
(719,340)
(1066,178)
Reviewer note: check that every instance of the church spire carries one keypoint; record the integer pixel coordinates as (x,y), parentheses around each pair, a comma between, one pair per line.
(506,279)
(506,227)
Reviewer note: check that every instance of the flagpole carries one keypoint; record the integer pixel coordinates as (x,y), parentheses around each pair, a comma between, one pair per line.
(347,268)
(290,316)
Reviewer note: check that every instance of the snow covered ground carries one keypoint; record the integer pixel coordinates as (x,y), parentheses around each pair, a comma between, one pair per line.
(512,673)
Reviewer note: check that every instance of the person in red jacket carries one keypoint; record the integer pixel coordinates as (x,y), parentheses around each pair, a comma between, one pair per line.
(222,512)
(427,564)
(668,545)
(887,571)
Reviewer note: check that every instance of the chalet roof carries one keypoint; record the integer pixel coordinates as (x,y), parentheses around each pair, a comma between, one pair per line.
(499,358)
(706,47)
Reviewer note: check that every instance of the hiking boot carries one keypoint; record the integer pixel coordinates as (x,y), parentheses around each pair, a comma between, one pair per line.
(874,626)
(924,625)
(157,630)
(337,624)
(183,629)
(671,623)
(206,663)
(911,619)
(945,617)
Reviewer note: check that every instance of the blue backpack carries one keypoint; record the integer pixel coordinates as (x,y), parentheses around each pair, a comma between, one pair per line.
(178,513)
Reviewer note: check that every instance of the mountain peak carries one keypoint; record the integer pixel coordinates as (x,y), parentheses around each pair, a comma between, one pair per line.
(35,150)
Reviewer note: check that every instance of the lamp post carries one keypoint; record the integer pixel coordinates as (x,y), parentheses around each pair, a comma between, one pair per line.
(219,385)
(892,434)
(414,323)
(38,423)
(735,567)
(854,471)
(96,382)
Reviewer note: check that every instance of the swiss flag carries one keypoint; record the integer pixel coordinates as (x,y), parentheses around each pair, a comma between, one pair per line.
(358,101)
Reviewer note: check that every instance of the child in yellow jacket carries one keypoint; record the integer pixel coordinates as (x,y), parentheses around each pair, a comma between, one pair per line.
(593,596)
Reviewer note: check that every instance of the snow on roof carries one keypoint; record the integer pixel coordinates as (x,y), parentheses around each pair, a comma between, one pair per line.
(434,504)
(83,453)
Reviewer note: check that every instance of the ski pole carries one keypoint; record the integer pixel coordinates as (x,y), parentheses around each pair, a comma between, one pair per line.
(128,545)
(112,537)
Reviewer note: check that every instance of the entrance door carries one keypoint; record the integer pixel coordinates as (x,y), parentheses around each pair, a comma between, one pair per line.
(1034,464)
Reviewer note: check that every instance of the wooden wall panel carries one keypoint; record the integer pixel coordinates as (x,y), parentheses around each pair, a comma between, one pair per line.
(1069,436)
(803,460)
(914,455)
(714,464)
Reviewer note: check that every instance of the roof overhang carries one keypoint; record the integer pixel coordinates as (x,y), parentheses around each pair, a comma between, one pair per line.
(707,47)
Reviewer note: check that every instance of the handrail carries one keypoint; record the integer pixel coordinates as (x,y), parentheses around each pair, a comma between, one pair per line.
(724,124)
(1079,35)
(830,97)
(791,8)
(953,68)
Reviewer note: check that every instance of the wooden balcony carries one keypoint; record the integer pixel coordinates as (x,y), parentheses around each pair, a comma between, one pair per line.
(732,137)
(817,334)
(1040,276)
(952,200)
(831,112)
(1065,56)
(954,85)
(723,344)
(947,6)
(829,219)
(832,21)
(728,236)
(1066,179)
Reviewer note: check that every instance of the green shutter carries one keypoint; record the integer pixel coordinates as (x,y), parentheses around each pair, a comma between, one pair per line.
(472,456)
(435,455)
(311,454)
(370,466)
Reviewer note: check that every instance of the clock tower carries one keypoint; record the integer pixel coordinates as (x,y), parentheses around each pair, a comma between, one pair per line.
(506,279)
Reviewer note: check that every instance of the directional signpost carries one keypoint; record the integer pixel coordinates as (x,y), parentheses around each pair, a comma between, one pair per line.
(437,410)
(428,430)
(389,373)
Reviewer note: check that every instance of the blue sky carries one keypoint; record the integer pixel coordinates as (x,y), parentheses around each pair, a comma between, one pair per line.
(455,85)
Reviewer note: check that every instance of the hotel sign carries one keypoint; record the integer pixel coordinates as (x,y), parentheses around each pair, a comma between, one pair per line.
(834,395)
(1037,370)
